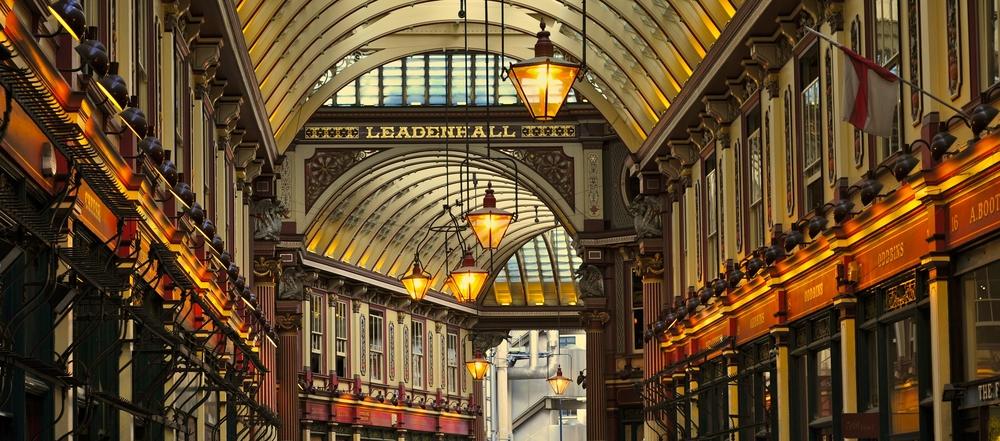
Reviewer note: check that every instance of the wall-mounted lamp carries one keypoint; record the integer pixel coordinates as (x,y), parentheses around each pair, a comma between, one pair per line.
(733,274)
(153,149)
(133,118)
(984,113)
(71,17)
(114,88)
(93,54)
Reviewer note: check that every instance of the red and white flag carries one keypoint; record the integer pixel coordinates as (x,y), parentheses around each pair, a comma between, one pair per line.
(871,93)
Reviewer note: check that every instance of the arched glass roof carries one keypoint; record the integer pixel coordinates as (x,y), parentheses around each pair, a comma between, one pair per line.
(429,79)
(539,273)
(640,52)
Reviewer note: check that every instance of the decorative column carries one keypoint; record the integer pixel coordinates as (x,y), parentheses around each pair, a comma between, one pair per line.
(650,268)
(482,342)
(597,404)
(266,273)
(846,304)
(502,394)
(937,285)
(288,325)
(783,364)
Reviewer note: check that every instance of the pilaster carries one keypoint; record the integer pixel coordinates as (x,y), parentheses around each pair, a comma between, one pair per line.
(597,406)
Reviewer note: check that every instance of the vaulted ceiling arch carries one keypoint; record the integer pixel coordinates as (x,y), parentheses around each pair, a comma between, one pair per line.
(377,212)
(641,51)
(400,46)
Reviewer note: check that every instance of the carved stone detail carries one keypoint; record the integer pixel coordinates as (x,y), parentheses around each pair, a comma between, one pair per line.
(205,54)
(648,266)
(646,216)
(553,165)
(326,166)
(590,280)
(772,53)
(268,215)
(484,341)
(288,321)
(722,108)
(293,282)
(266,270)
(594,320)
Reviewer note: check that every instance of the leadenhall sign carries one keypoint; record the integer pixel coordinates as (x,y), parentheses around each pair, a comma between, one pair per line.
(437,132)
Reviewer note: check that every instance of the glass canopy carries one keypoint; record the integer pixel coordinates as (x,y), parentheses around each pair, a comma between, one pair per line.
(539,273)
(429,79)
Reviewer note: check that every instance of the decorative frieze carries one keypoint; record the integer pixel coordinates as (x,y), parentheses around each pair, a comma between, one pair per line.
(326,165)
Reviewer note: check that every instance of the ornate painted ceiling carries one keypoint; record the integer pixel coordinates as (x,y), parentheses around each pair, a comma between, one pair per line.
(640,53)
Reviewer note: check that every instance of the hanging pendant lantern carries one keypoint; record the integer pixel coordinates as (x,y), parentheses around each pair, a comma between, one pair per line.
(478,366)
(543,82)
(558,382)
(417,281)
(467,280)
(489,223)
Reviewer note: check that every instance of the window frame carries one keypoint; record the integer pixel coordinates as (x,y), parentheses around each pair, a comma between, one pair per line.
(317,319)
(881,150)
(342,329)
(452,363)
(417,364)
(809,141)
(712,213)
(376,358)
(753,131)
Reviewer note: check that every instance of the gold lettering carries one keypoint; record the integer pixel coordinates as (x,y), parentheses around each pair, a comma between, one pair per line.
(432,132)
(387,132)
(889,255)
(508,133)
(478,132)
(370,133)
(954,223)
(403,133)
(419,132)
(812,293)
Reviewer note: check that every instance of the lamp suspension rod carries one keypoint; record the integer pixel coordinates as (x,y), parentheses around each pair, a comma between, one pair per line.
(466,174)
(901,79)
(583,61)
(489,73)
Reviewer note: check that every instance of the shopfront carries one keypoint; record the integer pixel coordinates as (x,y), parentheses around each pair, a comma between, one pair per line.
(894,363)
(975,395)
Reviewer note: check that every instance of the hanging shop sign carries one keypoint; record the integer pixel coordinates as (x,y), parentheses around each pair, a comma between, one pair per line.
(973,215)
(812,292)
(498,132)
(886,257)
(983,393)
(860,425)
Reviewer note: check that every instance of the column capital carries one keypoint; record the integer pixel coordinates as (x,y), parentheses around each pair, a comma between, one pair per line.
(649,266)
(266,270)
(483,341)
(594,320)
(288,322)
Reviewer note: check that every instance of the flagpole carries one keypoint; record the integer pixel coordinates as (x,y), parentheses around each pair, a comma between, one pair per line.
(901,79)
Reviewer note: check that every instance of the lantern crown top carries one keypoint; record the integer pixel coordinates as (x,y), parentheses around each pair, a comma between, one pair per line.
(543,47)
(489,201)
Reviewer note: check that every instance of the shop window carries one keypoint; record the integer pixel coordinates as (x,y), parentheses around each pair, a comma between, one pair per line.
(376,337)
(417,339)
(341,343)
(452,346)
(893,378)
(755,380)
(637,324)
(981,299)
(815,376)
(812,129)
(904,400)
(316,333)
(990,18)
(887,41)
(713,399)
